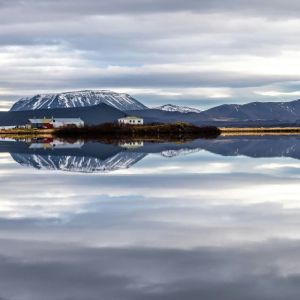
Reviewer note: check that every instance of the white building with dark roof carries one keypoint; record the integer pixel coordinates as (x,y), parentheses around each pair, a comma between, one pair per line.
(131,120)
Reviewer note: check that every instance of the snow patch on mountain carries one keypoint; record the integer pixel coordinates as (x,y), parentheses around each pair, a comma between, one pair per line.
(78,99)
(178,108)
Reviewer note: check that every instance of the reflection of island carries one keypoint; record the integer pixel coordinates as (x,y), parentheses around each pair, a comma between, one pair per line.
(91,157)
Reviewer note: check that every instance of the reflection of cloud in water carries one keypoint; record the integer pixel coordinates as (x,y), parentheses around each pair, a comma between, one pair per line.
(54,271)
(196,226)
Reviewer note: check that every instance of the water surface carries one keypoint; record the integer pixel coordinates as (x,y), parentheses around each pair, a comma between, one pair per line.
(204,219)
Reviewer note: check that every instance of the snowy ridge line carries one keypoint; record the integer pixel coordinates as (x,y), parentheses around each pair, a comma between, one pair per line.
(78,99)
(178,108)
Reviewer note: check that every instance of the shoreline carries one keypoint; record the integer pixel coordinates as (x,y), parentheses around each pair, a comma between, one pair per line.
(146,132)
(259,131)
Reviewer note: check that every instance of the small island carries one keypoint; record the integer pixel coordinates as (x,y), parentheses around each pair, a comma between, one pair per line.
(132,127)
(145,131)
(118,131)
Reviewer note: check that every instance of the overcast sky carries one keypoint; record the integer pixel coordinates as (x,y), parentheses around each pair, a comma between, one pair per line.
(193,52)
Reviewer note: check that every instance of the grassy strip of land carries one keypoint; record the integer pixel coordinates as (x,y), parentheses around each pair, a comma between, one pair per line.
(161,131)
(25,131)
(230,131)
(20,133)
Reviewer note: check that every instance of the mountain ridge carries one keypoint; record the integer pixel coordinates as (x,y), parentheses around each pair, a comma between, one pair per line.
(84,98)
(249,114)
(178,108)
(254,111)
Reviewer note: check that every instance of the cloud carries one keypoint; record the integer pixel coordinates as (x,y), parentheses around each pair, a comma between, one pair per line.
(268,8)
(52,46)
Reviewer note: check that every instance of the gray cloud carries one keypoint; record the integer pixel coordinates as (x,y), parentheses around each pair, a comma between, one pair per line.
(146,80)
(55,45)
(271,8)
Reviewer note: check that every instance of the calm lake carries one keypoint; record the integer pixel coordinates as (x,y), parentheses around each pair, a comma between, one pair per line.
(205,219)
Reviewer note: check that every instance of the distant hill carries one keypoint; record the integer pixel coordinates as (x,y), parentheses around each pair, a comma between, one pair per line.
(78,99)
(255,111)
(178,108)
(252,114)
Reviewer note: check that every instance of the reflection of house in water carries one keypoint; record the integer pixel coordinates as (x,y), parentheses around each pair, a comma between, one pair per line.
(54,144)
(131,145)
(48,123)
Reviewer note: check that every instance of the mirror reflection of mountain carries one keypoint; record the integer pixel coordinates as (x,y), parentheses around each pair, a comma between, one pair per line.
(92,156)
(75,157)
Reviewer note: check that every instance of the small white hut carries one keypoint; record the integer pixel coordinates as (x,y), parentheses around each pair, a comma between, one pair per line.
(131,120)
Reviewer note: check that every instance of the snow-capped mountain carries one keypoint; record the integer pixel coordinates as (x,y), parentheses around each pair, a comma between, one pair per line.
(78,99)
(82,164)
(178,108)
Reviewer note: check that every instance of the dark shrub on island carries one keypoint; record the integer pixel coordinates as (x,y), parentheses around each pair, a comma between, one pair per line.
(114,130)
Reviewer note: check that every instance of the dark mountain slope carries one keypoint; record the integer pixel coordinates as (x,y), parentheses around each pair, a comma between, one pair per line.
(91,115)
(157,115)
(255,111)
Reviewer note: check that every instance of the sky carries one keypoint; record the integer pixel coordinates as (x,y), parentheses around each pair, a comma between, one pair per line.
(195,52)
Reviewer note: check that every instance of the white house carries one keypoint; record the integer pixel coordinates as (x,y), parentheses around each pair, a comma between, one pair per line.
(55,122)
(131,120)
